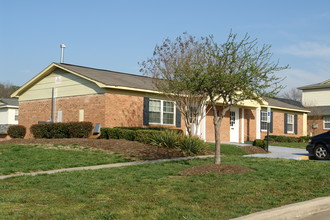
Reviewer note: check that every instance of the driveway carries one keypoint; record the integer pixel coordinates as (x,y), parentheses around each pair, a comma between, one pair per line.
(284,153)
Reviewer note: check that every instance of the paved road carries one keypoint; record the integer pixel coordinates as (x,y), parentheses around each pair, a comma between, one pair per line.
(284,153)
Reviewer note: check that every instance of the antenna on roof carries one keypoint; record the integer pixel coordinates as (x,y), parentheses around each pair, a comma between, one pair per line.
(62,46)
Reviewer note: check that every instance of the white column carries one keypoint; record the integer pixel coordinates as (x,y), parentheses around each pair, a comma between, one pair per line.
(242,126)
(258,123)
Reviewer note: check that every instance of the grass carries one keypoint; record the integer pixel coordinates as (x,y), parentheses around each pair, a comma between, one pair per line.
(228,149)
(28,158)
(157,191)
(289,144)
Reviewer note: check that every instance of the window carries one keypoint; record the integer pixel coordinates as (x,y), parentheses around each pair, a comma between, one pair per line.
(232,119)
(263,121)
(16,114)
(290,123)
(161,112)
(326,122)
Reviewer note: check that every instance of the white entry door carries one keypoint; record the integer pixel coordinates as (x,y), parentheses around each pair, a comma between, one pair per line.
(234,125)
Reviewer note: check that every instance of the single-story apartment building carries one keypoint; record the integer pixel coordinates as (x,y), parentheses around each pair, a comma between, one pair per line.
(8,114)
(66,92)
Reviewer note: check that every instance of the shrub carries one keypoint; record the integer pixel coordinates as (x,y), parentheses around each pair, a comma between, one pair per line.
(62,130)
(145,136)
(166,138)
(191,145)
(259,143)
(276,138)
(16,131)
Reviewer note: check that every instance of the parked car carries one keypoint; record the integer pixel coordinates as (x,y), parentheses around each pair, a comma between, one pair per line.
(319,145)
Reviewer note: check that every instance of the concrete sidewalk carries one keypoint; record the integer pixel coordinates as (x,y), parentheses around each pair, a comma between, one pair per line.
(301,210)
(104,166)
(284,153)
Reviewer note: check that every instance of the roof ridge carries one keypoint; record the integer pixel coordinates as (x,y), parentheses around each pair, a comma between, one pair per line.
(131,74)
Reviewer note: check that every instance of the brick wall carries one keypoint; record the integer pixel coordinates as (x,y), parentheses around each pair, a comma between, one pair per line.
(110,110)
(318,123)
(249,124)
(278,125)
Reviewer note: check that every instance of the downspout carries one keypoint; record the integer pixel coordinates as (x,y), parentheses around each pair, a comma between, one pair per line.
(53,109)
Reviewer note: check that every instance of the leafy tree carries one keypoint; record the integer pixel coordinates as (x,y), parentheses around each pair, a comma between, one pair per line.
(237,70)
(178,68)
(199,72)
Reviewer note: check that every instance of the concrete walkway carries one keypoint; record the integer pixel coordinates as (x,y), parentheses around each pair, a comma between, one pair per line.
(284,153)
(104,166)
(302,210)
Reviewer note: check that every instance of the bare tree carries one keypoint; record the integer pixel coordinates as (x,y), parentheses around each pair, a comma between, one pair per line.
(178,68)
(293,94)
(6,89)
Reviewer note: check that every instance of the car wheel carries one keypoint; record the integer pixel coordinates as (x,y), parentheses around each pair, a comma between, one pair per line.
(321,152)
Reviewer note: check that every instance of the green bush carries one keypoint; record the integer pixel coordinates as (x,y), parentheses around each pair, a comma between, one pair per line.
(277,138)
(145,136)
(62,130)
(259,143)
(16,131)
(191,145)
(166,138)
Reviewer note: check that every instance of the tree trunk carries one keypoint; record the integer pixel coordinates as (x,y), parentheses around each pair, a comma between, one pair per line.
(217,125)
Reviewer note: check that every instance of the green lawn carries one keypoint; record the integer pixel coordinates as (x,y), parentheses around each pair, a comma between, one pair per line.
(157,191)
(290,144)
(28,158)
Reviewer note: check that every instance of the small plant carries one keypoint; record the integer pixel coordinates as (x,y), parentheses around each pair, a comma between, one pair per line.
(191,145)
(259,143)
(16,131)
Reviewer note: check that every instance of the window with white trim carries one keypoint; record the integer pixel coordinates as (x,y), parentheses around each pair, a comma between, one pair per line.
(326,120)
(290,123)
(16,114)
(263,120)
(161,112)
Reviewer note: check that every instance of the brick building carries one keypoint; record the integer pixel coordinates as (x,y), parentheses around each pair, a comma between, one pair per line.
(65,92)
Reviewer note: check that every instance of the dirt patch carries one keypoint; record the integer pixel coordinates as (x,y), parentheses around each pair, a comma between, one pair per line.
(253,150)
(215,168)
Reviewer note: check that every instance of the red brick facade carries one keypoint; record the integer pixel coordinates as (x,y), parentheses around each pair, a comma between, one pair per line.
(315,125)
(112,110)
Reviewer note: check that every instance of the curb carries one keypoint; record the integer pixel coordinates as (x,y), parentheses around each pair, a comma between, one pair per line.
(305,158)
(292,211)
(96,167)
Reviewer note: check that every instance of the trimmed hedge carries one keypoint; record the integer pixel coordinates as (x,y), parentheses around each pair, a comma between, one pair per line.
(62,130)
(277,138)
(16,131)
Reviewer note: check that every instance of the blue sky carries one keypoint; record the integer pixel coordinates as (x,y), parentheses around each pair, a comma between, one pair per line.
(116,35)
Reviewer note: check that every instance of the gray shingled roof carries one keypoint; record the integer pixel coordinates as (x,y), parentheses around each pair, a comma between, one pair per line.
(324,84)
(285,103)
(319,110)
(9,101)
(112,78)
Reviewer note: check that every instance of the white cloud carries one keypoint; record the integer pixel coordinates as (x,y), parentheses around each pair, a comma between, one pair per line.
(308,49)
(297,77)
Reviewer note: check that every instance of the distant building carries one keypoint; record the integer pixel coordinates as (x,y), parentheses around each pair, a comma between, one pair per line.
(8,114)
(316,98)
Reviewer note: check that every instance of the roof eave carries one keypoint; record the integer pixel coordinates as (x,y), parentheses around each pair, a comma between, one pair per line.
(286,109)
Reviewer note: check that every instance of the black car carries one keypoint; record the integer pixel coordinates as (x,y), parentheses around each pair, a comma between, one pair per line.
(319,145)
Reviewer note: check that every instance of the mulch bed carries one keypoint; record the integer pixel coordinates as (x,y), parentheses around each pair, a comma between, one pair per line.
(143,151)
